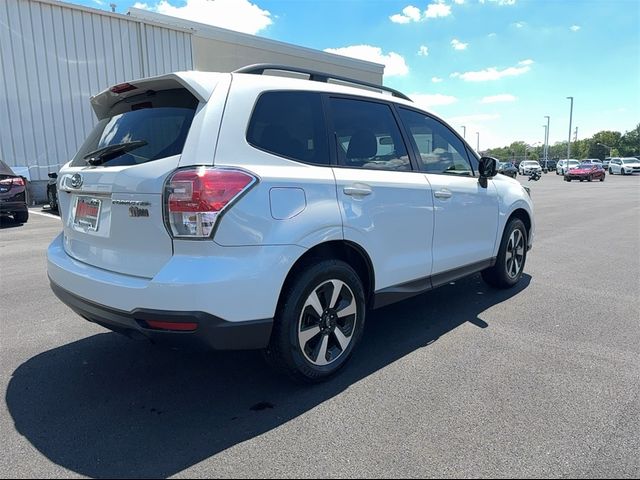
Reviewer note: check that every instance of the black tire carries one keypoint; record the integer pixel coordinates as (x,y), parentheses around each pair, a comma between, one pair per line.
(589,178)
(581,180)
(610,171)
(567,179)
(497,276)
(284,352)
(602,179)
(21,217)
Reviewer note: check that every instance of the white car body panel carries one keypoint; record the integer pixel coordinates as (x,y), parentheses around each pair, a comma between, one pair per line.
(399,210)
(466,223)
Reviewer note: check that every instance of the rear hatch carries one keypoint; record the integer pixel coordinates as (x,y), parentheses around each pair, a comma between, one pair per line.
(110,195)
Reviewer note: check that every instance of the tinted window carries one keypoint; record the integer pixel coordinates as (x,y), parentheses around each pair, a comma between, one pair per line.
(441,151)
(290,124)
(367,135)
(160,120)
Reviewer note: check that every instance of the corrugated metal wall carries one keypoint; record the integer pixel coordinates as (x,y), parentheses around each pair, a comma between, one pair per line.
(53,57)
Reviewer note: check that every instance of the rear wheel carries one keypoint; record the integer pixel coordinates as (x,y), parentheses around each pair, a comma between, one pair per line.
(511,257)
(21,217)
(319,323)
(602,178)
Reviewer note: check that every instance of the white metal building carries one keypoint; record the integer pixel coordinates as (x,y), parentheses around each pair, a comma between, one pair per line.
(55,55)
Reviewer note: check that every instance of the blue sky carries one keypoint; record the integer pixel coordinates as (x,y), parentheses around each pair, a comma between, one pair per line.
(496,66)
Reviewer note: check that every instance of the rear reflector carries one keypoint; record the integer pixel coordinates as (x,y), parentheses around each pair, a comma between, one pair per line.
(123,87)
(195,197)
(173,326)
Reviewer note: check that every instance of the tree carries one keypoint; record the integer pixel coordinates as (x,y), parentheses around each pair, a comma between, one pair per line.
(607,137)
(629,144)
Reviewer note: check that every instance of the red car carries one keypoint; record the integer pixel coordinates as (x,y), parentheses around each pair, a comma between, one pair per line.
(585,171)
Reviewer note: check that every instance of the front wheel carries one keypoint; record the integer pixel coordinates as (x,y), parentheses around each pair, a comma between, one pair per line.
(610,171)
(589,178)
(319,322)
(511,257)
(602,178)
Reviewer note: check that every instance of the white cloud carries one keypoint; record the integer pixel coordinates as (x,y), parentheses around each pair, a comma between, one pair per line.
(437,9)
(492,73)
(501,2)
(99,2)
(458,45)
(436,79)
(574,28)
(504,97)
(519,24)
(240,15)
(432,100)
(423,51)
(394,64)
(459,2)
(409,14)
(492,34)
(434,10)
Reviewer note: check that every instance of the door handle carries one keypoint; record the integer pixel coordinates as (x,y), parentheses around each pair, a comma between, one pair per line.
(360,191)
(442,194)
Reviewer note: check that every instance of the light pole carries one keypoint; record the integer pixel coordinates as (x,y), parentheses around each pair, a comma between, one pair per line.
(606,146)
(478,142)
(570,121)
(546,142)
(544,147)
(464,132)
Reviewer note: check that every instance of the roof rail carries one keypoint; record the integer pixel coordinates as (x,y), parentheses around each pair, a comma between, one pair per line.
(259,69)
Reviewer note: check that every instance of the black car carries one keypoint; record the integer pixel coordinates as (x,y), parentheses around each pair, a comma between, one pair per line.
(13,195)
(507,169)
(550,166)
(52,191)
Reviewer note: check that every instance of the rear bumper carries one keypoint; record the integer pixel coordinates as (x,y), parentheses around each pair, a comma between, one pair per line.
(9,208)
(222,289)
(210,331)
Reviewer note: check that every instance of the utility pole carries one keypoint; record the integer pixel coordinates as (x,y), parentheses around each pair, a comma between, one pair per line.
(464,132)
(478,142)
(544,147)
(569,141)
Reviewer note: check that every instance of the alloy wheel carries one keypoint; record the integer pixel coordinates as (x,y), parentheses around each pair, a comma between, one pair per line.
(327,322)
(515,254)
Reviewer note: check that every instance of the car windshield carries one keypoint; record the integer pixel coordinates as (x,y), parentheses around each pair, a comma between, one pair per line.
(586,165)
(530,163)
(140,129)
(630,160)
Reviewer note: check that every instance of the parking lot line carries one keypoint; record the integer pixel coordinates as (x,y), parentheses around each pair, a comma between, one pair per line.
(43,214)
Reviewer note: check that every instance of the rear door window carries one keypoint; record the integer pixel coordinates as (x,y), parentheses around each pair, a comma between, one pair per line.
(140,129)
(291,125)
(367,135)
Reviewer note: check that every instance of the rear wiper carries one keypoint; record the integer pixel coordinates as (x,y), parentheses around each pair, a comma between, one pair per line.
(103,154)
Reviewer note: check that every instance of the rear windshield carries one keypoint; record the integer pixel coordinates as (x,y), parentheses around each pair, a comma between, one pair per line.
(4,169)
(150,126)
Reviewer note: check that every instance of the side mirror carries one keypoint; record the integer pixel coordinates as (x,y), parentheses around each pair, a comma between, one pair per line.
(52,175)
(487,167)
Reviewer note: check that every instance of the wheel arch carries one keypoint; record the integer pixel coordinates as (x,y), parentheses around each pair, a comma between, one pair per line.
(347,251)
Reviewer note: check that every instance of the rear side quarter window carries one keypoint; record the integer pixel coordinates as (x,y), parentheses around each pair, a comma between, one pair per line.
(290,125)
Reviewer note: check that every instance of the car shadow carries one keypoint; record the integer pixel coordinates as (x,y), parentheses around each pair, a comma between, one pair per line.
(9,223)
(107,406)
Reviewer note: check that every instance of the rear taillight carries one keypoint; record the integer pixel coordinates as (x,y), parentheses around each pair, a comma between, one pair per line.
(123,87)
(17,181)
(195,197)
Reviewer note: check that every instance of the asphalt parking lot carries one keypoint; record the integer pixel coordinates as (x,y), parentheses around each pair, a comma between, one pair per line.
(465,381)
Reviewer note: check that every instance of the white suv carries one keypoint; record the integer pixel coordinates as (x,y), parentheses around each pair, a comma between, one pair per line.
(251,211)
(529,167)
(624,166)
